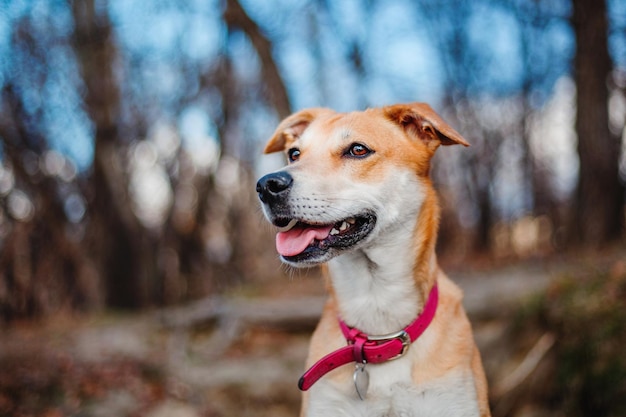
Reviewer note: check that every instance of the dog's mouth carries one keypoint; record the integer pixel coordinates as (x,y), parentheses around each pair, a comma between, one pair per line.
(301,242)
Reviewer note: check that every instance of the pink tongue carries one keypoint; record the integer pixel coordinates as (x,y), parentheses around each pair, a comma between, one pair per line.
(296,240)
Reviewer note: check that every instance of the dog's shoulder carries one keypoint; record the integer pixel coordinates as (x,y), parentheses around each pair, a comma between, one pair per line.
(448,343)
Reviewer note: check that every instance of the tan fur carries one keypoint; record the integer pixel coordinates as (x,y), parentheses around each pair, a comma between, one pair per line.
(403,136)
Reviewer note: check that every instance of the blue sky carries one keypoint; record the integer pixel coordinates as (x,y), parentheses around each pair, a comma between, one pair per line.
(400,52)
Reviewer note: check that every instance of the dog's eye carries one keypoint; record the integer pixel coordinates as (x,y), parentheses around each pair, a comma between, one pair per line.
(293,154)
(358,150)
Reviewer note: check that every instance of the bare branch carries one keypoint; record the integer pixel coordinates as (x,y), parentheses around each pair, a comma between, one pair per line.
(236,16)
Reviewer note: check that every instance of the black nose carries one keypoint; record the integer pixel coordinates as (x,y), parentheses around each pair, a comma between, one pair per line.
(273,187)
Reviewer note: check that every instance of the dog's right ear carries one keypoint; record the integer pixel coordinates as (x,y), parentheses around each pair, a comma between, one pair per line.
(421,121)
(290,129)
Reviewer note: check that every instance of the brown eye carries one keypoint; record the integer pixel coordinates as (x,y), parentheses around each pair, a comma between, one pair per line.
(293,154)
(358,150)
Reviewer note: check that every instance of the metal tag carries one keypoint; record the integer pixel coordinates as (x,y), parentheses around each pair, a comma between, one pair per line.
(361,380)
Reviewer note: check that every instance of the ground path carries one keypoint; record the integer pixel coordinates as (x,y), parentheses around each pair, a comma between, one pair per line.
(237,361)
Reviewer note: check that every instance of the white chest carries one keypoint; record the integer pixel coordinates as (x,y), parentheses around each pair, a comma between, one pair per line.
(393,393)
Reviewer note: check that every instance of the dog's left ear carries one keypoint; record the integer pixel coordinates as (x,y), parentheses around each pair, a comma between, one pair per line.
(291,128)
(421,121)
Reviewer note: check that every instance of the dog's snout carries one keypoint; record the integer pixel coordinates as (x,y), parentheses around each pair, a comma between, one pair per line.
(274,186)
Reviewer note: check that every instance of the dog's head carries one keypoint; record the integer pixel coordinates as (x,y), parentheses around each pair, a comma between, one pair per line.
(351,177)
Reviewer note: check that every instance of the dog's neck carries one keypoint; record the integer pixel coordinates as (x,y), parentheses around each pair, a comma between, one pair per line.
(382,288)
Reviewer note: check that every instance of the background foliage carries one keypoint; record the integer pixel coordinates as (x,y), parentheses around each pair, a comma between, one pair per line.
(131,131)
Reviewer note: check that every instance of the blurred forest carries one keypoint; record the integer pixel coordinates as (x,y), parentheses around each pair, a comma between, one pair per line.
(131,132)
(131,136)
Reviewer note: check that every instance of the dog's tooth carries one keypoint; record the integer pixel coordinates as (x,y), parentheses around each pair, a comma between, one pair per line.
(334,232)
(351,220)
(343,227)
(290,226)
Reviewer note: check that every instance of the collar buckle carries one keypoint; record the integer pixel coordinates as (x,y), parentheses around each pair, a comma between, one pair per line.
(402,335)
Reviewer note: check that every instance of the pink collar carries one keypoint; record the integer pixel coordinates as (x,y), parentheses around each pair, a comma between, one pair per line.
(363,348)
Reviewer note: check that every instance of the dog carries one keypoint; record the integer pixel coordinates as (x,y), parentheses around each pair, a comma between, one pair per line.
(356,198)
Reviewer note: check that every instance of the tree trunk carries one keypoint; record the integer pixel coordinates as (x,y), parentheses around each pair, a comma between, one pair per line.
(598,215)
(36,280)
(116,238)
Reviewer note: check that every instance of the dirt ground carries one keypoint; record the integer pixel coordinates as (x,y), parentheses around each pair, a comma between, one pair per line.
(112,365)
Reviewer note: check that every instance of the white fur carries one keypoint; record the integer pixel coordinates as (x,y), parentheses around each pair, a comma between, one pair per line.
(378,279)
(393,394)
